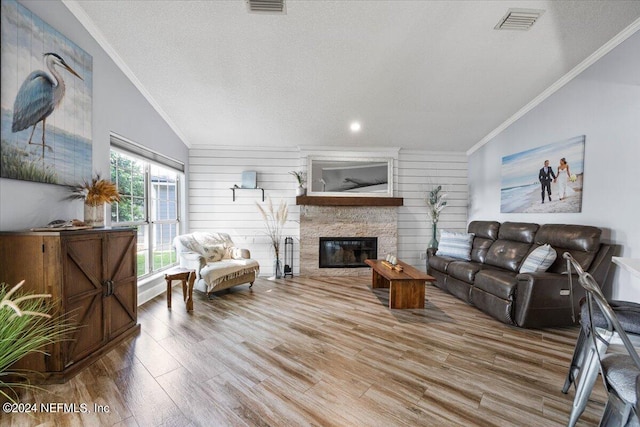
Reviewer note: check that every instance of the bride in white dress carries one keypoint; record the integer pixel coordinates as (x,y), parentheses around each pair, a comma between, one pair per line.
(564,174)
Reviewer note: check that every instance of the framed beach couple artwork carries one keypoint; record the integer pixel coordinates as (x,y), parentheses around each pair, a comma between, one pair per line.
(546,179)
(46,98)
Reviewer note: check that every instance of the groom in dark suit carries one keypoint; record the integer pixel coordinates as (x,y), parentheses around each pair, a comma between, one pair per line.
(545,177)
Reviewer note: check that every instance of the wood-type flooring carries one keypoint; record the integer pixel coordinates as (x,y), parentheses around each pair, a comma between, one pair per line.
(323,352)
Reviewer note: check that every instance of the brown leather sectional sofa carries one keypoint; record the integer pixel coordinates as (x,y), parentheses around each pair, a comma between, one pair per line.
(491,282)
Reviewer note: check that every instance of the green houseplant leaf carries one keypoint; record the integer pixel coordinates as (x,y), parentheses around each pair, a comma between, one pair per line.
(26,326)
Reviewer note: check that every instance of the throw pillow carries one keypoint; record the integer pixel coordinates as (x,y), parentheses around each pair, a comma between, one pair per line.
(539,260)
(455,244)
(214,253)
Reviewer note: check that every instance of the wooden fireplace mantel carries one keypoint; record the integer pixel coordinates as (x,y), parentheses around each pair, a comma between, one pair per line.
(349,201)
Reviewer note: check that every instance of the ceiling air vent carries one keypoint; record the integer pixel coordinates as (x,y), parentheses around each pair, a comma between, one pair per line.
(266,6)
(519,19)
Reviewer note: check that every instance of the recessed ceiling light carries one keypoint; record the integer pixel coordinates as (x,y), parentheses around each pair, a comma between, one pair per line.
(355,127)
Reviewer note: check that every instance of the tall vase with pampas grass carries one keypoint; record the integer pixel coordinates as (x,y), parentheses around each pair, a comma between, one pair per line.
(436,203)
(274,221)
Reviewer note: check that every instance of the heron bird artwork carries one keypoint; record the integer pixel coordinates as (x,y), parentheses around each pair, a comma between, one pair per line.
(39,96)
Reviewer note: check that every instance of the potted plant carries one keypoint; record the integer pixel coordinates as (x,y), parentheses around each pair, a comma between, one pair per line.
(26,326)
(302,179)
(274,221)
(95,194)
(436,203)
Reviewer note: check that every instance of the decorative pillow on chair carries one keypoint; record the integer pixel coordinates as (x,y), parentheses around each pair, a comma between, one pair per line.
(214,253)
(455,245)
(539,260)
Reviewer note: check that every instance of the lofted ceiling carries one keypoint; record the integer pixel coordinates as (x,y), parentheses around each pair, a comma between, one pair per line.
(416,74)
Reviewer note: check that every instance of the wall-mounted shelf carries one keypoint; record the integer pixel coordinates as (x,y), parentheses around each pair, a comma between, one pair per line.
(233,189)
(349,201)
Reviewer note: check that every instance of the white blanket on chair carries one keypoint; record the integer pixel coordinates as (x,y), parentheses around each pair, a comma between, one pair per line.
(217,272)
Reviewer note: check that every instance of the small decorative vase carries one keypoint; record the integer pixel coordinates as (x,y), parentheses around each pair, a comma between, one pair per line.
(94,215)
(301,191)
(277,269)
(433,243)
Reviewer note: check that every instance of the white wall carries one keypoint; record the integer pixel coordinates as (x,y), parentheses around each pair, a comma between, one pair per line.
(602,103)
(117,107)
(214,171)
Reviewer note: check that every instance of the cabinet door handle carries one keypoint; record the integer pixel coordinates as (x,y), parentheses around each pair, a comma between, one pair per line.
(109,284)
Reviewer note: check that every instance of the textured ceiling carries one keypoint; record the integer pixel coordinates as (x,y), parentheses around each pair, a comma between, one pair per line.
(417,74)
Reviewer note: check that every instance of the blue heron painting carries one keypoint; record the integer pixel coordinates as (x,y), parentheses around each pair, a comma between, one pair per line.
(46,86)
(38,96)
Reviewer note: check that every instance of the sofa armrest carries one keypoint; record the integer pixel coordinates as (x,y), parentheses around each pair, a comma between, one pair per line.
(192,261)
(599,268)
(544,299)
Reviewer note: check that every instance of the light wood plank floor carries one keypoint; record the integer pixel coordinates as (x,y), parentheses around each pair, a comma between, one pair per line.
(325,352)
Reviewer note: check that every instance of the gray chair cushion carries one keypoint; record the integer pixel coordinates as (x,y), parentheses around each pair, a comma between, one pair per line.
(622,374)
(627,312)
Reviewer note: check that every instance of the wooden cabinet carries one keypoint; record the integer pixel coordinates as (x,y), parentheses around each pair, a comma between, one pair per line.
(91,275)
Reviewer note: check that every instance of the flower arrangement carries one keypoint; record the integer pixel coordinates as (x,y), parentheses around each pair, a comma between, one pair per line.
(274,221)
(25,327)
(436,203)
(97,192)
(300,176)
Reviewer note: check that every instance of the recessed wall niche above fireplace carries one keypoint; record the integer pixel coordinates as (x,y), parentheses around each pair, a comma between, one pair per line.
(346,252)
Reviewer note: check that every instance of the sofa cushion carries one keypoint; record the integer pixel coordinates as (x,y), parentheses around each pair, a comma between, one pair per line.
(497,282)
(539,259)
(464,270)
(440,263)
(455,244)
(507,254)
(485,229)
(486,232)
(480,248)
(524,232)
(581,241)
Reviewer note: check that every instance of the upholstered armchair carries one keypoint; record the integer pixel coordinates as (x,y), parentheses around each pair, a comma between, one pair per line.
(218,263)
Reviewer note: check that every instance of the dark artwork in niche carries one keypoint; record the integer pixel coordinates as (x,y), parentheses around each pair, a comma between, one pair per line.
(347,252)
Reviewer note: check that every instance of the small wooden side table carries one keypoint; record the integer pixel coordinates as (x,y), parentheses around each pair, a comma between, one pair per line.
(188,278)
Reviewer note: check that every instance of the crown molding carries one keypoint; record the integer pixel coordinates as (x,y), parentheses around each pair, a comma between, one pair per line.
(84,19)
(591,59)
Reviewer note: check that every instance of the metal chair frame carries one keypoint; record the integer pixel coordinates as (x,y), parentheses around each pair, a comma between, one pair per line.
(593,345)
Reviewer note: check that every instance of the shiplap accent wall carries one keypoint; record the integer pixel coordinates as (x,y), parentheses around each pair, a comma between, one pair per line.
(418,172)
(212,172)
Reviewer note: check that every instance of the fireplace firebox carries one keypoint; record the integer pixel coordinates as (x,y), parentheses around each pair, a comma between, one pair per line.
(347,252)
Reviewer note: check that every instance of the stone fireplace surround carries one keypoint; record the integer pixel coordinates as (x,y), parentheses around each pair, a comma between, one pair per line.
(345,221)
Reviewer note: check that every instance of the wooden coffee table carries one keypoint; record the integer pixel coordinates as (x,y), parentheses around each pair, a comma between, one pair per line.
(406,288)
